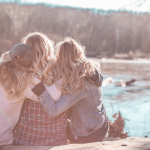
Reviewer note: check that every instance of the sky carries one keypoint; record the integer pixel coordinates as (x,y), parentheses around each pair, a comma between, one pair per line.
(134,5)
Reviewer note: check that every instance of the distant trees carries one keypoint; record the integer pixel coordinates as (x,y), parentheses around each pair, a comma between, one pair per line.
(102,33)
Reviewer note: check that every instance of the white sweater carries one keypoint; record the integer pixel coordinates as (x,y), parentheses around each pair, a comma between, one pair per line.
(10,111)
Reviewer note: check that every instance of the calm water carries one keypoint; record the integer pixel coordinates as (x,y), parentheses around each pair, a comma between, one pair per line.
(132,101)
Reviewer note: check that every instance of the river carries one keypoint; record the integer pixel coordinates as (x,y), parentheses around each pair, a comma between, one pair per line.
(132,101)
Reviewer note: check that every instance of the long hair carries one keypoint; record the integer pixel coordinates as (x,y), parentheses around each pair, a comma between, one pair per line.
(72,65)
(43,55)
(14,78)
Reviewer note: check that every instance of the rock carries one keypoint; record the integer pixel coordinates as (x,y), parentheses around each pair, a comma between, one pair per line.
(131,143)
(107,81)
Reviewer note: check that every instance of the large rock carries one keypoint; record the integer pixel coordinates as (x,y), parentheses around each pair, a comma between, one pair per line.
(131,143)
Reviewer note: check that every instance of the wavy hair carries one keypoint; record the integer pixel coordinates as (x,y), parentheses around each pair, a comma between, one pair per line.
(13,77)
(72,65)
(43,55)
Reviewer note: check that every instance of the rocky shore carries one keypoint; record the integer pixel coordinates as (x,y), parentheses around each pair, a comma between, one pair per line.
(130,143)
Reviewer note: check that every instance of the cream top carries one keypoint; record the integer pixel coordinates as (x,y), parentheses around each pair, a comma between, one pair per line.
(10,110)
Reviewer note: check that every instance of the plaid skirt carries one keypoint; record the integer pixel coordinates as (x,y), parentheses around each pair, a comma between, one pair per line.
(36,128)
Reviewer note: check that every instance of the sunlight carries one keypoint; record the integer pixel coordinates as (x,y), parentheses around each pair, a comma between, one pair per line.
(101,4)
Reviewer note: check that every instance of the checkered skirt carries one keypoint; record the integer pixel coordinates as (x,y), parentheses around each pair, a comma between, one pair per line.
(36,128)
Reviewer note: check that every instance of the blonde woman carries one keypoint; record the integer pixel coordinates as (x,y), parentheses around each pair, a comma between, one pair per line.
(88,119)
(16,80)
(35,127)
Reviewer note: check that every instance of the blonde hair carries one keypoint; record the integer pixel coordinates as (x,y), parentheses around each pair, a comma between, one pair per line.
(72,65)
(43,55)
(13,77)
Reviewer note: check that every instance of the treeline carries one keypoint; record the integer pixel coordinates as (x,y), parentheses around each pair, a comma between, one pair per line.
(102,33)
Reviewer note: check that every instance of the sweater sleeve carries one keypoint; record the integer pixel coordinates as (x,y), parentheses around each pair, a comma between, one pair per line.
(38,90)
(28,93)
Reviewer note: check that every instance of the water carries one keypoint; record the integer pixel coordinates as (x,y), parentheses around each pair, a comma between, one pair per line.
(132,101)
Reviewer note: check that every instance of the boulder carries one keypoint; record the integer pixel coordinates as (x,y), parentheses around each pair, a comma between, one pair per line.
(130,143)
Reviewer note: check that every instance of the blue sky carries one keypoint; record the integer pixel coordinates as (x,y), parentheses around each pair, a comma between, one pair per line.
(134,5)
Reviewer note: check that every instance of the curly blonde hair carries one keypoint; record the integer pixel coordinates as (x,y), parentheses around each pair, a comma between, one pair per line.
(13,77)
(72,65)
(44,58)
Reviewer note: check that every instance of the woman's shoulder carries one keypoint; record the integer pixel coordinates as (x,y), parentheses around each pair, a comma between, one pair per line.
(92,88)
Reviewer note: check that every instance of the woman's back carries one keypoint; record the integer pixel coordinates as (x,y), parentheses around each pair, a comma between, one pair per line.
(85,100)
(88,114)
(36,128)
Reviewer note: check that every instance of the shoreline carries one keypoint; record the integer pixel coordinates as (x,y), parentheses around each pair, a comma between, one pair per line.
(113,60)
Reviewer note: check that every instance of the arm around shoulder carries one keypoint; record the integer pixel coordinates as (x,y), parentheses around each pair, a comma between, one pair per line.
(65,101)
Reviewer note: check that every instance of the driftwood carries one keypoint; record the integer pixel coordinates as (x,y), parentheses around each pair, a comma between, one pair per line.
(121,83)
(125,83)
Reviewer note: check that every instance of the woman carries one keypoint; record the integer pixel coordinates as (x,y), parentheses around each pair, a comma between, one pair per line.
(88,119)
(34,126)
(16,80)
